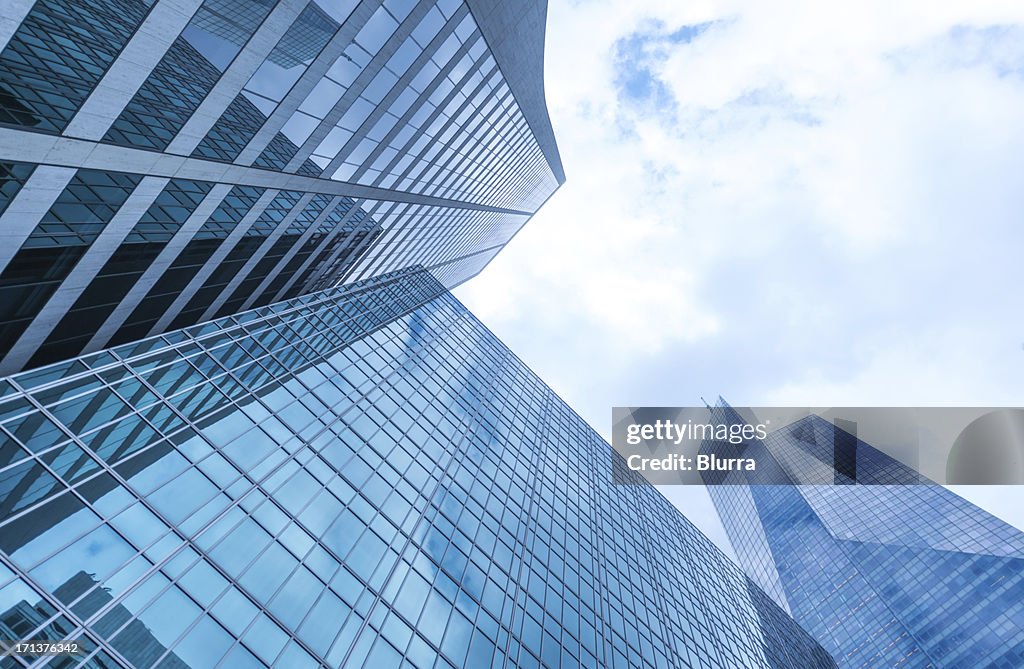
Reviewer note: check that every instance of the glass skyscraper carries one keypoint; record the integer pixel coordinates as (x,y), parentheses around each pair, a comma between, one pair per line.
(251,426)
(884,568)
(363,476)
(164,163)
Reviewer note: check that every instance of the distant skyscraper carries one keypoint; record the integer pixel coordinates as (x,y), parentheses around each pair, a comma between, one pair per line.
(885,571)
(165,163)
(358,477)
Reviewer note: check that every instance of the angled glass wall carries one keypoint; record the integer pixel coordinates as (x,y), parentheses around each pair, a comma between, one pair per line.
(363,476)
(163,162)
(882,569)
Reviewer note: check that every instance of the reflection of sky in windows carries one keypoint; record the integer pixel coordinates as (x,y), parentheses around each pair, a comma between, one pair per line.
(323,96)
(399,106)
(356,114)
(321,100)
(382,127)
(425,75)
(217,50)
(300,44)
(447,49)
(299,127)
(15,591)
(377,30)
(271,82)
(344,71)
(431,24)
(404,56)
(338,10)
(379,87)
(269,494)
(217,34)
(457,169)
(220,28)
(443,88)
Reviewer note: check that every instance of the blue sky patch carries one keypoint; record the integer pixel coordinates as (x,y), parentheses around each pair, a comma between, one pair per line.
(638,53)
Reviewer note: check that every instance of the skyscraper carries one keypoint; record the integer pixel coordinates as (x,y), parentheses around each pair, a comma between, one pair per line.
(882,567)
(357,477)
(165,163)
(263,473)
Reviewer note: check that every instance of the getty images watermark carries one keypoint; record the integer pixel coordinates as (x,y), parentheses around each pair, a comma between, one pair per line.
(724,445)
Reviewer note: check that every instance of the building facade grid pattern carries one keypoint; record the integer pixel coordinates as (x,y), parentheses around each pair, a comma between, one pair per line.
(886,568)
(400,97)
(361,477)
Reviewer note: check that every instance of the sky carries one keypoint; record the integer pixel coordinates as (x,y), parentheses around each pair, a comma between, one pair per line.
(797,203)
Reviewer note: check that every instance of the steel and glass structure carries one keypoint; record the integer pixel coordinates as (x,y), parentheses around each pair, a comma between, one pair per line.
(166,162)
(275,438)
(363,476)
(884,568)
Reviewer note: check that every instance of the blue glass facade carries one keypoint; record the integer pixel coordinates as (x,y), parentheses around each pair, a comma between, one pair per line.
(363,476)
(286,444)
(882,569)
(165,162)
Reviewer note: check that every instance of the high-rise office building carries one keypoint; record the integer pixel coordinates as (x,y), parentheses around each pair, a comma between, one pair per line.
(333,463)
(364,476)
(883,567)
(164,163)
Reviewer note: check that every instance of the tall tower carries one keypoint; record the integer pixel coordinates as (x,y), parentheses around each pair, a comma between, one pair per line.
(164,163)
(363,476)
(273,437)
(882,567)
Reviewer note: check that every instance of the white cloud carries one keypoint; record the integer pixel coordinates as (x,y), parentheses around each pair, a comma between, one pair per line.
(811,202)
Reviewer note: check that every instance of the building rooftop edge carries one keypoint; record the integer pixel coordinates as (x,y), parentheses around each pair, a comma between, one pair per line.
(515,31)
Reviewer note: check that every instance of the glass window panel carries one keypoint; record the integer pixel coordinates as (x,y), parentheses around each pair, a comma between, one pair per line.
(204,645)
(377,30)
(322,98)
(266,639)
(333,142)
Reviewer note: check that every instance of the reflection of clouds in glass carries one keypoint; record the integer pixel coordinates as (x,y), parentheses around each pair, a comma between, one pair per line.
(101,550)
(431,24)
(301,43)
(424,76)
(299,127)
(404,56)
(400,106)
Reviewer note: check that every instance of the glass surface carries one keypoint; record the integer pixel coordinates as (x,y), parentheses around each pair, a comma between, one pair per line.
(392,486)
(57,56)
(453,130)
(877,572)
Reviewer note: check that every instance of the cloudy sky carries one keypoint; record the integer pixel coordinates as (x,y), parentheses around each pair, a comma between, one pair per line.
(791,203)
